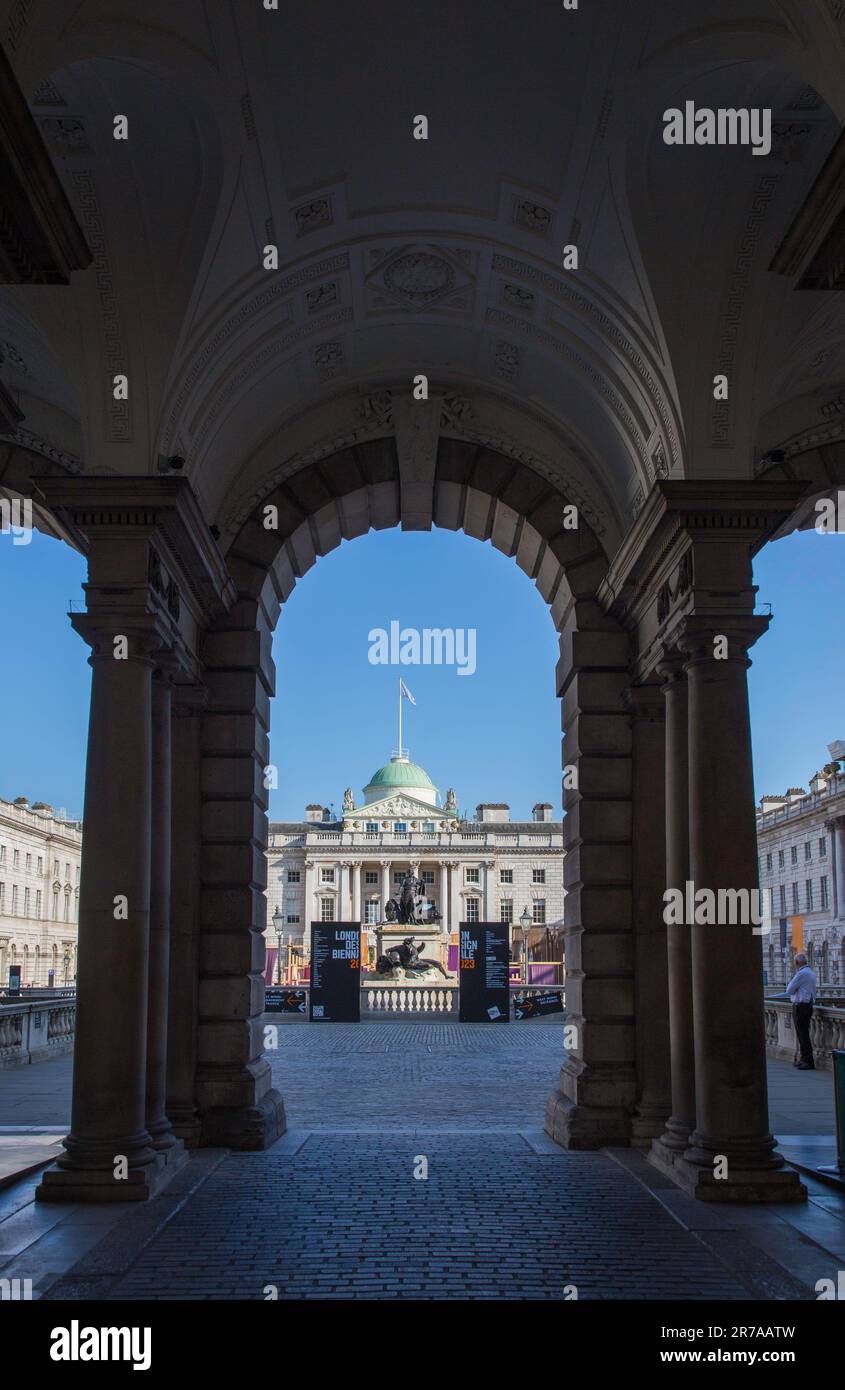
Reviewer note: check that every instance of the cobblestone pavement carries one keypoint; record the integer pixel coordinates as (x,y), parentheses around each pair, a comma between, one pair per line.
(344,1217)
(341,1075)
(334,1209)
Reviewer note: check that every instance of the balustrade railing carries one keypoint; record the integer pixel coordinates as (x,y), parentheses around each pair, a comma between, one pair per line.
(34,1031)
(827,1032)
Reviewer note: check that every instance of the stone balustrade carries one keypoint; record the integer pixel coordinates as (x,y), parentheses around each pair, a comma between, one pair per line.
(433,1000)
(36,1031)
(827,1032)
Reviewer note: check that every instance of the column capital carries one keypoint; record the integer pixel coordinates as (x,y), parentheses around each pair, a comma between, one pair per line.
(697,636)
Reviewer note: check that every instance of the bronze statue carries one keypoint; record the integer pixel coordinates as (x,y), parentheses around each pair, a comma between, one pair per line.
(407,907)
(407,957)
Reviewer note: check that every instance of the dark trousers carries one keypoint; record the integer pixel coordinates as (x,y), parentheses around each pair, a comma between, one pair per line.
(802,1013)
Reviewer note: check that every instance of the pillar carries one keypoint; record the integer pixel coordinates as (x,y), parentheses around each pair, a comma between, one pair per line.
(159,953)
(836,827)
(108,1132)
(443,904)
(455,914)
(649,882)
(342,870)
(184,914)
(595,1101)
(386,886)
(731,1132)
(680,1123)
(356,890)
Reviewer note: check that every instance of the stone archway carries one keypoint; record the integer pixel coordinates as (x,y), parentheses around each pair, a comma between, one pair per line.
(491,497)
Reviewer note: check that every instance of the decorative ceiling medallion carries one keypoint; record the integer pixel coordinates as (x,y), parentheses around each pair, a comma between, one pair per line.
(65,135)
(506,360)
(420,277)
(322,297)
(328,360)
(309,216)
(532,216)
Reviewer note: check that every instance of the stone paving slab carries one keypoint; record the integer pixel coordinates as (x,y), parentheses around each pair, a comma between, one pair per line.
(343,1217)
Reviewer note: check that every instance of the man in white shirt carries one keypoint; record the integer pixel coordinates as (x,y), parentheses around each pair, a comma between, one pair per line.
(801,990)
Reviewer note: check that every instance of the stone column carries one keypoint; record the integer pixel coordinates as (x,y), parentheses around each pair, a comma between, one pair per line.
(356,890)
(342,889)
(385,886)
(836,827)
(648,839)
(731,1135)
(159,954)
(308,901)
(108,1133)
(675,1137)
(184,915)
(455,914)
(443,904)
(489,889)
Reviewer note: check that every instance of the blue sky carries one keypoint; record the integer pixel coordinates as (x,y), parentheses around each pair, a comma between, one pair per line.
(494,735)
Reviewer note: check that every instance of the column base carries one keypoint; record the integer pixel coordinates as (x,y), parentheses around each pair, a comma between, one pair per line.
(646,1126)
(741,1185)
(99,1185)
(245,1128)
(576,1126)
(187,1126)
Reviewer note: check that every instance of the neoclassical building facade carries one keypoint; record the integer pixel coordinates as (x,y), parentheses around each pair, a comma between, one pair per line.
(40,857)
(246,316)
(801,843)
(487,869)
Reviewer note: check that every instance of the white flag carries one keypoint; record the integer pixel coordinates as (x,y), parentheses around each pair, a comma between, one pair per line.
(403,690)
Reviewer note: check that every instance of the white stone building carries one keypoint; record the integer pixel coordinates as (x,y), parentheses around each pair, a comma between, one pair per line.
(490,868)
(801,843)
(40,854)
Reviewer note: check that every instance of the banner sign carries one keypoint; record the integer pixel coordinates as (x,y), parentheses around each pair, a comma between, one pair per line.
(534,1005)
(14,979)
(484,960)
(284,1001)
(335,972)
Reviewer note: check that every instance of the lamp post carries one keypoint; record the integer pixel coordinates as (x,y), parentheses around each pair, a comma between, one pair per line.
(66,961)
(278,927)
(525,922)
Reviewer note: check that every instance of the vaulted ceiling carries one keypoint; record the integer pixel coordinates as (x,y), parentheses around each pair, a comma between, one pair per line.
(250,127)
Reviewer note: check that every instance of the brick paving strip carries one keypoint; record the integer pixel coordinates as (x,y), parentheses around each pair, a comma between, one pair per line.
(333,1211)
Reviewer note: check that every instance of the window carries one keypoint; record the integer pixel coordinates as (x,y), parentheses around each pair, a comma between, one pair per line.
(472,909)
(326,910)
(55,905)
(473,876)
(55,868)
(795,897)
(371,875)
(26,902)
(427,876)
(29,863)
(294,876)
(401,827)
(808,851)
(768,863)
(38,903)
(67,872)
(505,876)
(40,863)
(539,911)
(16,858)
(398,876)
(793,854)
(538,876)
(371,827)
(327,876)
(506,910)
(825,899)
(67,907)
(371,914)
(780,859)
(77,873)
(822,848)
(428,827)
(14,900)
(809,887)
(293,919)
(2,854)
(2,898)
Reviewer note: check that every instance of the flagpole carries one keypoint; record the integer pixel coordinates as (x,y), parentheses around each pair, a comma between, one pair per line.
(400,716)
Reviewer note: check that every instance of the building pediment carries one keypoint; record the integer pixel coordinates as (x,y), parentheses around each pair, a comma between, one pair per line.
(399,807)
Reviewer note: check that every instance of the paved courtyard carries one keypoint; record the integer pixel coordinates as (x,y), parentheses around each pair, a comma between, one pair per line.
(415,1166)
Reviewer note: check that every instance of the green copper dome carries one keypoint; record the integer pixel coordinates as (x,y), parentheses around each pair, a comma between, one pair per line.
(399,773)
